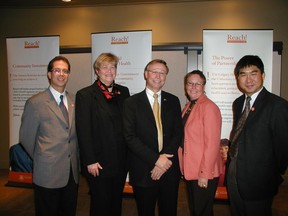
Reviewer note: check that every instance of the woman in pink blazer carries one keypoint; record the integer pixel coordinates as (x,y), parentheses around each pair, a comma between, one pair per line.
(199,157)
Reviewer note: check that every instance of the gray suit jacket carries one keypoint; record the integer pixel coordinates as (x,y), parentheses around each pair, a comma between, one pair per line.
(49,140)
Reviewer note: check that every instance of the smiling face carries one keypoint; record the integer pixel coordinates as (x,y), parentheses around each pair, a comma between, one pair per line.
(224,152)
(107,72)
(155,76)
(59,75)
(250,79)
(195,86)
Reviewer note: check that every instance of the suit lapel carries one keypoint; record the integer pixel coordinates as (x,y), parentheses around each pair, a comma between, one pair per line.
(239,108)
(100,99)
(147,107)
(259,102)
(164,107)
(71,107)
(53,106)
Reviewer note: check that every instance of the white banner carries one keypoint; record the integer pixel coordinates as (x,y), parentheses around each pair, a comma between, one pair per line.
(134,50)
(221,51)
(27,71)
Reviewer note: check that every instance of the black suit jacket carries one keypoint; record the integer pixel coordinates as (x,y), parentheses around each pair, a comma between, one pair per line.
(262,146)
(140,133)
(99,130)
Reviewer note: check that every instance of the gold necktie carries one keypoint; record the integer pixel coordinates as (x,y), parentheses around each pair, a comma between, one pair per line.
(157,115)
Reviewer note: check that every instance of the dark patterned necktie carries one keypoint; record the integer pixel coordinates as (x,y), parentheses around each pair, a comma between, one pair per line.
(63,109)
(185,117)
(233,151)
(188,111)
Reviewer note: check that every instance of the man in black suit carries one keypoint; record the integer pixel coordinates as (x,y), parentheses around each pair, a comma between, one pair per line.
(153,170)
(255,169)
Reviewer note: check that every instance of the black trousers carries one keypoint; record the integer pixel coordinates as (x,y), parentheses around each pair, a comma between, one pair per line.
(239,206)
(201,200)
(106,194)
(164,194)
(56,201)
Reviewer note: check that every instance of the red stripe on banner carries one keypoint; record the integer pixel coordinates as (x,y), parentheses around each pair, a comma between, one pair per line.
(221,193)
(20,177)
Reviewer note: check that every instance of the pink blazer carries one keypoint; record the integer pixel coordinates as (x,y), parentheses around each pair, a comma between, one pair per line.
(201,157)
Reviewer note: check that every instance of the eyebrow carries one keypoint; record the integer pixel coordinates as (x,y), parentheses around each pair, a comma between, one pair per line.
(255,70)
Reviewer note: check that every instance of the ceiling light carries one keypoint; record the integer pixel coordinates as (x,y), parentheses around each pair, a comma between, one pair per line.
(66,0)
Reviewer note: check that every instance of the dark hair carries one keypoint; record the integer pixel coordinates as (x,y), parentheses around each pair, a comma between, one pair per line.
(157,61)
(200,73)
(247,61)
(57,58)
(224,142)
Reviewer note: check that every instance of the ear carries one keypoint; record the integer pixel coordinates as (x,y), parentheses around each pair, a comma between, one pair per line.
(96,72)
(49,75)
(145,75)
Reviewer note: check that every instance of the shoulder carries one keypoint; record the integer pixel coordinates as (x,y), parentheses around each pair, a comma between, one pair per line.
(167,95)
(70,95)
(86,90)
(39,97)
(136,97)
(276,100)
(238,100)
(123,89)
(208,104)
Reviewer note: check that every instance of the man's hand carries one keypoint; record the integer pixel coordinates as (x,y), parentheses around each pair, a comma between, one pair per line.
(156,173)
(163,162)
(94,169)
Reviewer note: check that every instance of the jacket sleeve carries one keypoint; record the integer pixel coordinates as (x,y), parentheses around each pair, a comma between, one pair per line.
(29,127)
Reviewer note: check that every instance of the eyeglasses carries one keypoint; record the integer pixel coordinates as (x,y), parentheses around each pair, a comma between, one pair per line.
(157,72)
(58,71)
(196,85)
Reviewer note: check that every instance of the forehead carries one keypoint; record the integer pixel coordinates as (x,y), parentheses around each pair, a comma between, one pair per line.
(194,77)
(157,66)
(59,63)
(249,69)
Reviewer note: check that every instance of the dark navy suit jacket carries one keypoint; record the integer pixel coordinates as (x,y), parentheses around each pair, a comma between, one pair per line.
(262,146)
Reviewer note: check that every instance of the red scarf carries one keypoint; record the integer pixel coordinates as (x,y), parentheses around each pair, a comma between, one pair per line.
(108,95)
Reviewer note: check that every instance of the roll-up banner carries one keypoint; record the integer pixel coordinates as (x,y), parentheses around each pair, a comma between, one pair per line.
(134,50)
(221,51)
(28,58)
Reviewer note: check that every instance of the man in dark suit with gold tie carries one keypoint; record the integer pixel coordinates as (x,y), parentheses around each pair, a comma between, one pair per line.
(153,131)
(258,152)
(48,134)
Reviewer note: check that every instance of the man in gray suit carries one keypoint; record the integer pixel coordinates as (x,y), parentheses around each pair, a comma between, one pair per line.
(50,139)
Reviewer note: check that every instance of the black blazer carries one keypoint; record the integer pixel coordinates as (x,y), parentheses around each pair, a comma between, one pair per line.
(262,146)
(140,133)
(99,130)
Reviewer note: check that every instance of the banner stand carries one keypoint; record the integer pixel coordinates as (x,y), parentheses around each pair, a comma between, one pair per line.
(27,75)
(19,179)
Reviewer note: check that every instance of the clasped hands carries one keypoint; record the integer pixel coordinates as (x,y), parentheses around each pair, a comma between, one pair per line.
(161,166)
